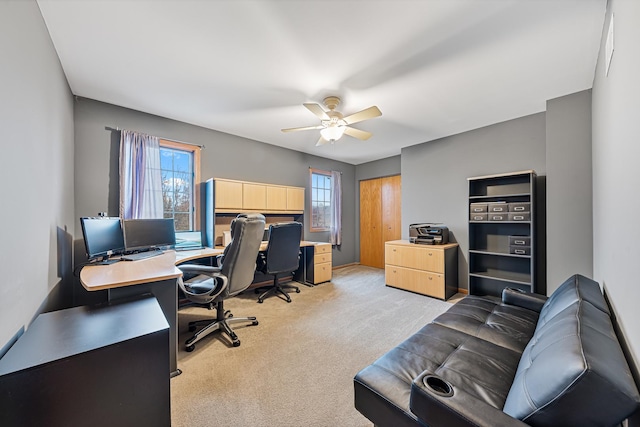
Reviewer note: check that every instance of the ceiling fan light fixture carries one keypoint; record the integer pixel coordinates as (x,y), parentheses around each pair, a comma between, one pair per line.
(332,133)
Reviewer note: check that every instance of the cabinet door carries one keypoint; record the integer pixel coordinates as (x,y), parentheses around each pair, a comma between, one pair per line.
(391,212)
(295,198)
(254,196)
(276,198)
(371,246)
(228,195)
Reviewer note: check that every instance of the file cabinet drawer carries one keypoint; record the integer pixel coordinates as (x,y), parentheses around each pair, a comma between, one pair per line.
(322,248)
(322,272)
(417,257)
(422,282)
(322,258)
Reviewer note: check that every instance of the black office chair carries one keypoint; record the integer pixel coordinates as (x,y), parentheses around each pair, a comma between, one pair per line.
(213,285)
(282,256)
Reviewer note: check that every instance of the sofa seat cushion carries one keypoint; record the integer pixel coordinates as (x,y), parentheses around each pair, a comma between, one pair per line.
(483,369)
(488,318)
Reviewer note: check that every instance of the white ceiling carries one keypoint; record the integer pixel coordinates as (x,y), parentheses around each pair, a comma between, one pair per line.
(433,67)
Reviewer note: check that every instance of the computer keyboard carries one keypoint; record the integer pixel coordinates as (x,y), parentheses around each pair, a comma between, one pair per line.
(140,255)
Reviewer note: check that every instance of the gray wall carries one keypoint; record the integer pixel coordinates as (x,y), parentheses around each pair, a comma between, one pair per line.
(434,174)
(224,156)
(376,169)
(616,150)
(36,118)
(569,190)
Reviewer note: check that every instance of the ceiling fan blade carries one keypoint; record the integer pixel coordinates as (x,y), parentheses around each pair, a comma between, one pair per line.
(302,128)
(317,110)
(357,133)
(321,141)
(366,114)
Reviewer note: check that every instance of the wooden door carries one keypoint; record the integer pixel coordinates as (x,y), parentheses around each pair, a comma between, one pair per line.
(391,211)
(380,217)
(371,251)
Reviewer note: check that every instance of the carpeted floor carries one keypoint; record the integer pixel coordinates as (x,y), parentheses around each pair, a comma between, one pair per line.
(296,367)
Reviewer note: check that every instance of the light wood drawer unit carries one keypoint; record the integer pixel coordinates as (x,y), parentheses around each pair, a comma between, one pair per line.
(429,270)
(321,268)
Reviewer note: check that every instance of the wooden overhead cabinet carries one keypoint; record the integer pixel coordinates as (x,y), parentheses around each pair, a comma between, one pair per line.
(228,194)
(254,196)
(295,199)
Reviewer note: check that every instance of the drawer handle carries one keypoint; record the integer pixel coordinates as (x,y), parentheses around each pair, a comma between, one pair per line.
(430,254)
(394,250)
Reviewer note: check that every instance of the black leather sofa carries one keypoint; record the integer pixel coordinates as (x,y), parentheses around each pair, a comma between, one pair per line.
(521,360)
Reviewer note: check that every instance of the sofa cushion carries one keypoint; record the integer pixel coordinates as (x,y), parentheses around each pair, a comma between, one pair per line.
(483,369)
(488,318)
(573,371)
(575,288)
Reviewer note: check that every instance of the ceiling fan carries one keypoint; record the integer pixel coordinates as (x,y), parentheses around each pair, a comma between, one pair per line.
(334,124)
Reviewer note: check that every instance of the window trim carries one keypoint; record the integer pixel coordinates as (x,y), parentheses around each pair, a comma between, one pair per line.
(317,172)
(195,152)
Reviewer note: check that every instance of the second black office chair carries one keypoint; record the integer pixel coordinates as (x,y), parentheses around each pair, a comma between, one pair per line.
(213,285)
(281,256)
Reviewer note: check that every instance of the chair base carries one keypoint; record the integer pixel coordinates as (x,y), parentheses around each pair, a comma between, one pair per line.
(277,288)
(222,323)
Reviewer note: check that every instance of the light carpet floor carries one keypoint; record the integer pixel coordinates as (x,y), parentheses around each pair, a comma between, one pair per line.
(296,367)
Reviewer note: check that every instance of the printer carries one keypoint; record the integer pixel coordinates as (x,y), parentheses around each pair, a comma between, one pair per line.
(429,233)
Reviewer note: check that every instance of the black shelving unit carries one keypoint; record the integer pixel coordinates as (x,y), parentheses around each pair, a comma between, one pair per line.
(502,233)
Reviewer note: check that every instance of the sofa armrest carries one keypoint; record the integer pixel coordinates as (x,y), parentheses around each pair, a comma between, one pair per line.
(436,402)
(523,299)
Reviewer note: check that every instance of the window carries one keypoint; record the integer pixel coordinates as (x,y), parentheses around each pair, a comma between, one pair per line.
(180,169)
(320,200)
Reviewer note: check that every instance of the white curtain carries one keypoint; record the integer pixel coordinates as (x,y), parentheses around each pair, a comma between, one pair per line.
(336,208)
(140,177)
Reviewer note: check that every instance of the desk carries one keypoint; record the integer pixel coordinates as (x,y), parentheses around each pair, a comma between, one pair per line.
(156,275)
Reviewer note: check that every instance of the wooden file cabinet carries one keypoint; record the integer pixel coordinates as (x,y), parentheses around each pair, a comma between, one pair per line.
(319,267)
(430,270)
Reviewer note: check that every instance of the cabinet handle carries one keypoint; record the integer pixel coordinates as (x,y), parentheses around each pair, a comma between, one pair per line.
(430,254)
(393,250)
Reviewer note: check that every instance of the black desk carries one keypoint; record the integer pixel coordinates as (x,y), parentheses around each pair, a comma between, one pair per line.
(100,366)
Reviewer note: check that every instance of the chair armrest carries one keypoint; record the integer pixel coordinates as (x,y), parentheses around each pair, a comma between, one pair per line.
(523,299)
(219,282)
(436,402)
(198,269)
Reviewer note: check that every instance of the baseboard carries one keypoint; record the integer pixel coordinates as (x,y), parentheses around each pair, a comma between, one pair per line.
(338,267)
(463,291)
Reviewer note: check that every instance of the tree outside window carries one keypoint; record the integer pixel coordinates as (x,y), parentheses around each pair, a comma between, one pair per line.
(320,200)
(180,164)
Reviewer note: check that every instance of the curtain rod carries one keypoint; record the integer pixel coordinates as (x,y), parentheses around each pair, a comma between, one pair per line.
(117,129)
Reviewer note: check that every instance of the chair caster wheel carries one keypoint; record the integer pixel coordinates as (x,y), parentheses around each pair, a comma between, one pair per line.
(236,343)
(255,322)
(190,348)
(288,300)
(297,291)
(260,301)
(192,328)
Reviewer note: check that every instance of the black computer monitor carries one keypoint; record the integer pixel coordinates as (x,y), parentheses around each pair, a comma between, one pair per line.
(102,236)
(144,234)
